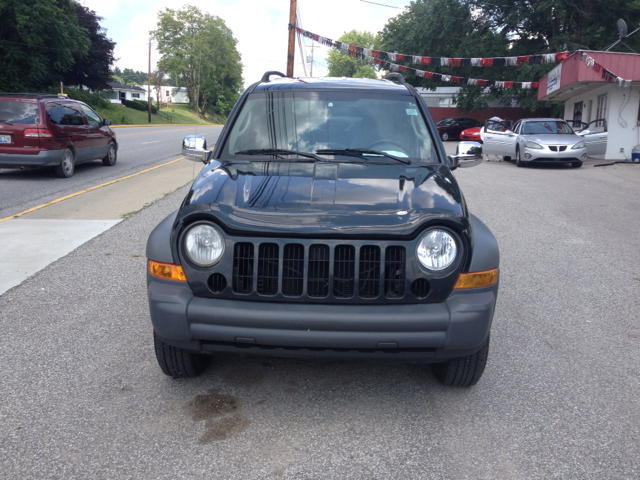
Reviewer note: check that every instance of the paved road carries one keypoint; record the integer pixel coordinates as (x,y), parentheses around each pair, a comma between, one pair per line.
(139,148)
(82,396)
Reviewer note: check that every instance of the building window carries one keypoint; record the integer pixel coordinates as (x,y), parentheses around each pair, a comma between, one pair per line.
(135,95)
(112,94)
(601,113)
(577,115)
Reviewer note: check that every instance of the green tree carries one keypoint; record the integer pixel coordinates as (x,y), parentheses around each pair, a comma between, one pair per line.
(490,28)
(199,52)
(40,41)
(92,69)
(341,65)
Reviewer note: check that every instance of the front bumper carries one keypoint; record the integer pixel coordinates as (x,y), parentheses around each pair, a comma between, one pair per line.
(408,332)
(546,155)
(43,158)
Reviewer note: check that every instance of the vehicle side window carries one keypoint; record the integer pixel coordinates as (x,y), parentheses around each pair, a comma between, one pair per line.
(496,126)
(92,117)
(516,127)
(63,114)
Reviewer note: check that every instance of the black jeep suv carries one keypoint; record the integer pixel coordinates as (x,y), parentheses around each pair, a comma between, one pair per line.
(326,223)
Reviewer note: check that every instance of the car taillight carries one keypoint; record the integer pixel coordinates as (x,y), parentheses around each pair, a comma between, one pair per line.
(38,132)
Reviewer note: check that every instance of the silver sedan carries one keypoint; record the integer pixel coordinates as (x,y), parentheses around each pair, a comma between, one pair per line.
(534,140)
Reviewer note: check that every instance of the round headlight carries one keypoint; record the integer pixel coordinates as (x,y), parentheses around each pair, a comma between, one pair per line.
(204,245)
(437,250)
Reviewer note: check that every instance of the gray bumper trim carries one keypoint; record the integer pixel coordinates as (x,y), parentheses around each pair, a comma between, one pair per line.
(42,159)
(461,324)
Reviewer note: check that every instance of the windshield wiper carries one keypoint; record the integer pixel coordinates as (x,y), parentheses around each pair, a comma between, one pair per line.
(6,121)
(279,151)
(360,153)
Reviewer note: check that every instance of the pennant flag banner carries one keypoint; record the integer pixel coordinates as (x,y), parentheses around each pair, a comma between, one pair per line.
(441,61)
(607,75)
(367,55)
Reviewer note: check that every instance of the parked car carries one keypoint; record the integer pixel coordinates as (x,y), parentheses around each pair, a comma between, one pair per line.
(326,223)
(39,130)
(534,140)
(471,134)
(450,128)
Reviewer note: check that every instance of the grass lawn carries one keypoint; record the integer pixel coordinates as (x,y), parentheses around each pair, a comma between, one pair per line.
(176,113)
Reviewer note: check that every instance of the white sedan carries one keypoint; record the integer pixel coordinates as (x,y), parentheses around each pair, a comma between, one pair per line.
(534,140)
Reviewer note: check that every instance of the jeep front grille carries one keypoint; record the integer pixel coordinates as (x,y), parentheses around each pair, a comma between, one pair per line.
(343,271)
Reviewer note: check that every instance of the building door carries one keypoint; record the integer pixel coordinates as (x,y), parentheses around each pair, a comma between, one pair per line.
(577,115)
(602,107)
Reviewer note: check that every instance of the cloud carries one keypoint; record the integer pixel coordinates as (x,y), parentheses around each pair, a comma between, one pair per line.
(260,26)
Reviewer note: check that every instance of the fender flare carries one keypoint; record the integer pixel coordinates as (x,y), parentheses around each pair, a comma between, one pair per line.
(486,253)
(159,242)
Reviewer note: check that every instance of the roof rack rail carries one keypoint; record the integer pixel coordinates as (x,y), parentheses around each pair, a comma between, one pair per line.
(265,77)
(396,77)
(36,95)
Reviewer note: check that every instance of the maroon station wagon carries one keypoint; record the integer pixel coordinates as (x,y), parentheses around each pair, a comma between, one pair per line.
(40,130)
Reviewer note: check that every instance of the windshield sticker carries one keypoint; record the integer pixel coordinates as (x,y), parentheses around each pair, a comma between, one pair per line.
(412,111)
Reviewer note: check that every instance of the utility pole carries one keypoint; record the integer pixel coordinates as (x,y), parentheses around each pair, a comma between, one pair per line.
(292,37)
(312,47)
(149,84)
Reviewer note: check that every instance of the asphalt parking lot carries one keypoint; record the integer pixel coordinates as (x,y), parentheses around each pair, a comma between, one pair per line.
(83,397)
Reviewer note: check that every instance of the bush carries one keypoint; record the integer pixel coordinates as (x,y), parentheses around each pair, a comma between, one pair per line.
(139,105)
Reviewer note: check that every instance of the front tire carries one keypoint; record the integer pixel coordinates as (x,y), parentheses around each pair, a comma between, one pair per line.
(576,164)
(67,164)
(464,371)
(445,137)
(112,156)
(178,363)
(519,161)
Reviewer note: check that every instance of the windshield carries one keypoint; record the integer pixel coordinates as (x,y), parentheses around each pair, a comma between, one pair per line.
(545,127)
(314,122)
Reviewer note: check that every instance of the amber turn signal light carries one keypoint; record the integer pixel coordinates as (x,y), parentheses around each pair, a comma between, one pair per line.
(167,271)
(477,279)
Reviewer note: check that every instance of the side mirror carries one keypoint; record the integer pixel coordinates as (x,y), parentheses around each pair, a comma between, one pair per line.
(194,148)
(583,132)
(106,121)
(509,132)
(468,154)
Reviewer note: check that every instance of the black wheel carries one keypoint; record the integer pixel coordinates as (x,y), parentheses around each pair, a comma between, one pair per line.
(179,363)
(445,136)
(519,161)
(67,164)
(506,158)
(462,372)
(576,164)
(112,156)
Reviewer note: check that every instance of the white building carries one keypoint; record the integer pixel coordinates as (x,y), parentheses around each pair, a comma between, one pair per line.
(580,82)
(168,94)
(120,92)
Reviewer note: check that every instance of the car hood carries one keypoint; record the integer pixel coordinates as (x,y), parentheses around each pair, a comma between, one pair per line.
(325,198)
(553,139)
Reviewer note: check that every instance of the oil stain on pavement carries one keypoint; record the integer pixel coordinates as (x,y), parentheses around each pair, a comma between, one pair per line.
(221,414)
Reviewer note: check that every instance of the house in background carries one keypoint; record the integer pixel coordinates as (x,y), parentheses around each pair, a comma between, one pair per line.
(168,94)
(588,97)
(441,105)
(120,92)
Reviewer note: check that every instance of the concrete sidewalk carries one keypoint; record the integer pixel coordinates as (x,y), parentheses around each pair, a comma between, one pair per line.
(34,240)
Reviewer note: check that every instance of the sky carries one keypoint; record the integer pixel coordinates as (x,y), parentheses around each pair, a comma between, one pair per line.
(260,26)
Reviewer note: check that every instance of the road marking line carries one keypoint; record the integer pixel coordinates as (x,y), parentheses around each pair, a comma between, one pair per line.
(57,200)
(147,143)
